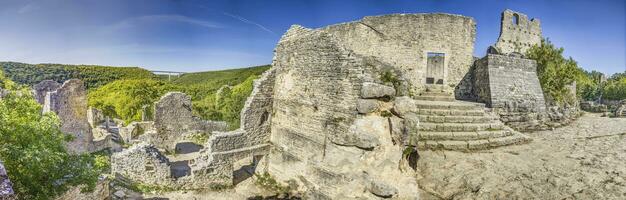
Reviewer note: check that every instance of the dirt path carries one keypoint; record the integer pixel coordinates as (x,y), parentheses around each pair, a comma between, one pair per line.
(584,160)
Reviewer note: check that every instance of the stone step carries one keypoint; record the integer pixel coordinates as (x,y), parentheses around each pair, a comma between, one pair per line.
(446,112)
(460,127)
(435,98)
(457,118)
(453,105)
(463,136)
(517,138)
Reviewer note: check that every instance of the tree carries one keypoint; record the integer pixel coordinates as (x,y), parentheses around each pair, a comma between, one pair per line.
(124,99)
(555,72)
(32,148)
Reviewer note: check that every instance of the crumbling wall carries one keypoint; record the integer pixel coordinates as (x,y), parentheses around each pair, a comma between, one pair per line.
(517,33)
(69,102)
(322,146)
(42,88)
(404,41)
(174,119)
(142,163)
(136,129)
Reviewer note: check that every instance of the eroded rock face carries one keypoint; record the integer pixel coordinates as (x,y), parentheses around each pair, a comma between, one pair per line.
(374,90)
(69,102)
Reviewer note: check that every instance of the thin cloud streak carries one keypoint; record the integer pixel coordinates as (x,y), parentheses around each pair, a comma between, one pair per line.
(244,20)
(130,22)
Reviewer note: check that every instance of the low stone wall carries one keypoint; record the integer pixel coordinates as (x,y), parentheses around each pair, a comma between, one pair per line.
(136,129)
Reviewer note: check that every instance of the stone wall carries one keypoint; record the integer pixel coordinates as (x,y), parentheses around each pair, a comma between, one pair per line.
(511,87)
(404,41)
(142,163)
(174,119)
(518,37)
(509,83)
(69,102)
(42,88)
(322,146)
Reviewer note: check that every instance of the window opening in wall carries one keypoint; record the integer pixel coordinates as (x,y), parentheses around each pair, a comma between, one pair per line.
(515,19)
(435,68)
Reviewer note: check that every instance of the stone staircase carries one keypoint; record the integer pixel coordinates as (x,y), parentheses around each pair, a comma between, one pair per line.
(462,126)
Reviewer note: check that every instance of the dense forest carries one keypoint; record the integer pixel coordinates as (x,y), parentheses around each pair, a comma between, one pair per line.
(93,75)
(121,92)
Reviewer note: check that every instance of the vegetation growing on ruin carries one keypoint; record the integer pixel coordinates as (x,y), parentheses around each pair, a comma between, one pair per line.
(92,75)
(32,149)
(267,182)
(227,105)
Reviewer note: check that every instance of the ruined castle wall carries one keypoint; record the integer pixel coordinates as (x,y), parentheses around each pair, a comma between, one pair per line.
(320,142)
(42,88)
(174,119)
(405,40)
(513,83)
(518,37)
(142,163)
(69,102)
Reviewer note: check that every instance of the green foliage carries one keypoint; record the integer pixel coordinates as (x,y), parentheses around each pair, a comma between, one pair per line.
(32,149)
(615,87)
(92,75)
(226,105)
(267,182)
(124,99)
(555,72)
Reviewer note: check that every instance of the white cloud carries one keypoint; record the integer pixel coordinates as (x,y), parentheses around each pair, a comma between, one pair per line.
(244,20)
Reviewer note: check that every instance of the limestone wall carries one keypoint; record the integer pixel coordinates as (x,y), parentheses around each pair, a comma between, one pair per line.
(512,83)
(174,119)
(69,102)
(518,37)
(404,40)
(142,163)
(321,144)
(42,88)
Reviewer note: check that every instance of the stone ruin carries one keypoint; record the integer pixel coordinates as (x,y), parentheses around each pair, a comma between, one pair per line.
(344,109)
(210,166)
(6,188)
(69,102)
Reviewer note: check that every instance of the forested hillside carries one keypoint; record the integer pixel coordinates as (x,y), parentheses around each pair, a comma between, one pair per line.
(93,75)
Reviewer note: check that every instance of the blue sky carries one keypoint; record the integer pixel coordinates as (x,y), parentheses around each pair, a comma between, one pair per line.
(179,35)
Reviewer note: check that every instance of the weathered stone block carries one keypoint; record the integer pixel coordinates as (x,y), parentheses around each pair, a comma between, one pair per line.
(365,106)
(375,90)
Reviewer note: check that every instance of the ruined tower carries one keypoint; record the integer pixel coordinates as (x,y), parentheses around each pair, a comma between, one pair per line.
(517,33)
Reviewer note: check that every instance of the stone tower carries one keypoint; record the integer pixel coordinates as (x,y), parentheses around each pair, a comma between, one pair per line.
(517,33)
